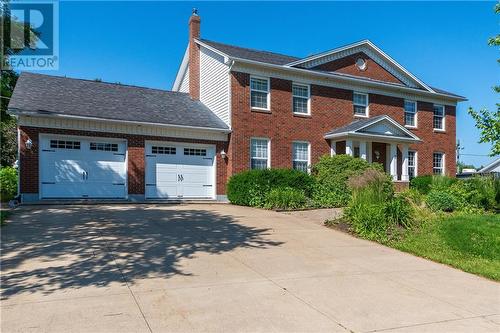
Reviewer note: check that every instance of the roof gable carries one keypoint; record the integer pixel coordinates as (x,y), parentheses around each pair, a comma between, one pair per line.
(379,126)
(370,50)
(347,65)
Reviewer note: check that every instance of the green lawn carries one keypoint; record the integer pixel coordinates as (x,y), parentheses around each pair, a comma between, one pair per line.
(468,242)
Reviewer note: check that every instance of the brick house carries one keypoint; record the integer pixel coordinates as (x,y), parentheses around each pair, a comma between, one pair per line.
(230,109)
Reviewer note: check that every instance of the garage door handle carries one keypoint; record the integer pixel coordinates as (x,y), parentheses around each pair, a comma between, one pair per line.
(180,178)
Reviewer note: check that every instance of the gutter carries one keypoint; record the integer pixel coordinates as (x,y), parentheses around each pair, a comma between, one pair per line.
(40,113)
(369,135)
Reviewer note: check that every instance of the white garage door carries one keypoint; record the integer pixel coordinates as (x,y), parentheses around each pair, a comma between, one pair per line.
(180,171)
(72,167)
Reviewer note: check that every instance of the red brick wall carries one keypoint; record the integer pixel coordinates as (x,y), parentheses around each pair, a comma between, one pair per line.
(330,108)
(136,143)
(347,65)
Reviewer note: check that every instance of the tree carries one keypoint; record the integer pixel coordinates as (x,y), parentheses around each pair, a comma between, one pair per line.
(486,121)
(10,29)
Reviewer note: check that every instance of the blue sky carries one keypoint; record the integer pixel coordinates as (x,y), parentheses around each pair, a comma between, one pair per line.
(142,43)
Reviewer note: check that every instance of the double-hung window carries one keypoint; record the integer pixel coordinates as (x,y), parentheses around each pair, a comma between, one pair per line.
(360,102)
(411,113)
(300,97)
(301,155)
(438,163)
(259,152)
(438,117)
(259,93)
(412,164)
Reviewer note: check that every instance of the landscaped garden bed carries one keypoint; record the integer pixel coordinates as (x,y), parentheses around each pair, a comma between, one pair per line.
(445,219)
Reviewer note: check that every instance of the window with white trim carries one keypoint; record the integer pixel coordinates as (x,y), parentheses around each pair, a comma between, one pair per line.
(300,158)
(259,152)
(103,146)
(411,113)
(412,164)
(64,144)
(195,152)
(360,103)
(163,150)
(259,93)
(438,163)
(300,99)
(438,117)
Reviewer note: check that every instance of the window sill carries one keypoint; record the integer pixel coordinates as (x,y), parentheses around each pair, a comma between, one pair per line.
(439,130)
(411,127)
(260,110)
(302,115)
(361,116)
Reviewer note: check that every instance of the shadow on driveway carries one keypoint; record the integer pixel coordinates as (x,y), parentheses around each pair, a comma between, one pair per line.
(45,249)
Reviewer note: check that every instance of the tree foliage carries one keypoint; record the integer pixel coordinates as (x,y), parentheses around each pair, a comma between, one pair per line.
(489,122)
(9,29)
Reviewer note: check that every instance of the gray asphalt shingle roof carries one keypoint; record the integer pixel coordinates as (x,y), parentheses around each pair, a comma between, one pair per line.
(251,54)
(76,97)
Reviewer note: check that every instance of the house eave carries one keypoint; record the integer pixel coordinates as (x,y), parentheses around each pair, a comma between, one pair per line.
(30,113)
(357,135)
(351,80)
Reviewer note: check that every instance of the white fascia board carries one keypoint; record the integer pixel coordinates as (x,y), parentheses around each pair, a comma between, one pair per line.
(181,71)
(326,53)
(18,112)
(372,46)
(373,136)
(226,57)
(350,79)
(392,121)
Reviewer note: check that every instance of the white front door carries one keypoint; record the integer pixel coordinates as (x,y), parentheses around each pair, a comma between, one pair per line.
(180,171)
(76,167)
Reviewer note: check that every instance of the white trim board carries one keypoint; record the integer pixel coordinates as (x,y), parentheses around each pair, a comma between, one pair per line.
(122,128)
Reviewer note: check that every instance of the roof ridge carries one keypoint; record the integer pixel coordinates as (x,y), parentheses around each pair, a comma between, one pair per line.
(103,82)
(250,49)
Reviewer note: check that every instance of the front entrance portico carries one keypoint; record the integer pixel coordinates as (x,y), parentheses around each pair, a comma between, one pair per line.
(378,140)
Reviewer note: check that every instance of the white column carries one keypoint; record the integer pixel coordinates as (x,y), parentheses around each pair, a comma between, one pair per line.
(349,150)
(394,161)
(333,148)
(362,150)
(369,151)
(404,172)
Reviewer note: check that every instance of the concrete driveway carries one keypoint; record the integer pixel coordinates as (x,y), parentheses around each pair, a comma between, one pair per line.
(213,268)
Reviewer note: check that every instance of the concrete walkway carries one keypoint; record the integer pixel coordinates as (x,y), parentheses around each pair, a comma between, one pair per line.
(213,268)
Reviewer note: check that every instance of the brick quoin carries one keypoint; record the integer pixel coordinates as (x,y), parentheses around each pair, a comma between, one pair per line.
(29,161)
(330,108)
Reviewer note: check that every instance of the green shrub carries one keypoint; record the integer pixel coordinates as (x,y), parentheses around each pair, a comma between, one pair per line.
(442,200)
(366,212)
(285,198)
(421,183)
(331,174)
(8,183)
(442,182)
(475,193)
(399,212)
(251,188)
(413,196)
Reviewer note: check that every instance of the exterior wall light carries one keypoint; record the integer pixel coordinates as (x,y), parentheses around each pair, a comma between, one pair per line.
(28,144)
(223,154)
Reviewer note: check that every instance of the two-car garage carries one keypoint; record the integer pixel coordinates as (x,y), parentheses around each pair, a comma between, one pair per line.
(85,167)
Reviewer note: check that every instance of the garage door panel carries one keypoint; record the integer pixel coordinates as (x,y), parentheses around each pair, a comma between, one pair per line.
(179,175)
(70,169)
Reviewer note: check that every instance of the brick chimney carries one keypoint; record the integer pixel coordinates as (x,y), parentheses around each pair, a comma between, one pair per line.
(194,55)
